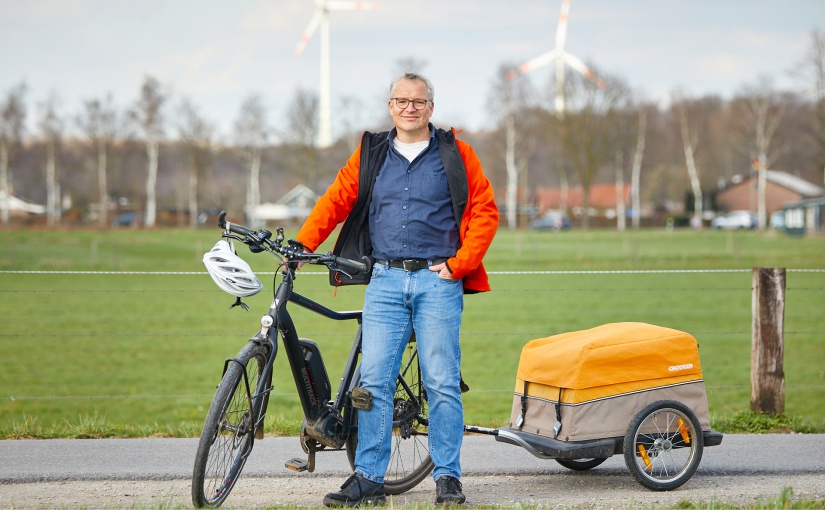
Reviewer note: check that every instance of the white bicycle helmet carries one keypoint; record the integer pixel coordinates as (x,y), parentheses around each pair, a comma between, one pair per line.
(230,272)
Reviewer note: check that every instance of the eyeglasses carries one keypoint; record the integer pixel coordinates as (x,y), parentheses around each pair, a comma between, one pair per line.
(403,102)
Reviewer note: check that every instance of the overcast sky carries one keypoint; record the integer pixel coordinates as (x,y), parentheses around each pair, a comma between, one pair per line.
(217,51)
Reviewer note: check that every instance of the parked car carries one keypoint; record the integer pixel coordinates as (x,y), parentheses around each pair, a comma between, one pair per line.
(735,220)
(551,220)
(128,219)
(778,220)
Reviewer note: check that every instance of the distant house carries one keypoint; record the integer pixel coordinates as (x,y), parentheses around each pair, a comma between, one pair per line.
(603,199)
(19,208)
(806,217)
(781,188)
(292,207)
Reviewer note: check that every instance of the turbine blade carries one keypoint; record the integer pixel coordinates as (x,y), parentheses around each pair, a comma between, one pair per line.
(312,26)
(579,66)
(540,61)
(561,28)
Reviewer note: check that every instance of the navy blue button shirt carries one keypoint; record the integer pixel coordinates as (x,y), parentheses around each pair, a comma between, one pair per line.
(411,214)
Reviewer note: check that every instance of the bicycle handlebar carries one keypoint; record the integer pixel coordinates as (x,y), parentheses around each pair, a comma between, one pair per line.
(262,239)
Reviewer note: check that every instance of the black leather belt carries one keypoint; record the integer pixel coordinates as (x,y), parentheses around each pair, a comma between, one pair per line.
(411,264)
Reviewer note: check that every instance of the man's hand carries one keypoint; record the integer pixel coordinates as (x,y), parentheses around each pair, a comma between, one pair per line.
(443,272)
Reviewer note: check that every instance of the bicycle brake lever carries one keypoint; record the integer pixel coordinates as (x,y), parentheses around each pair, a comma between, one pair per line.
(333,267)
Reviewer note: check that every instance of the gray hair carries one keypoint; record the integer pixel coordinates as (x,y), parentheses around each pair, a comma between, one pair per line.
(414,77)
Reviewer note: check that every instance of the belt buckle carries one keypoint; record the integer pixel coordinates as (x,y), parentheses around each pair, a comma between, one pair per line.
(410,265)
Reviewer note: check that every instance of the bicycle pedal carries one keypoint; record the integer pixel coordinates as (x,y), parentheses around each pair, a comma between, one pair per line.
(296,464)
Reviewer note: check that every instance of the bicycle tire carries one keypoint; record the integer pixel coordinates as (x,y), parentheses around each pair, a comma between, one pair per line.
(663,445)
(228,432)
(410,461)
(580,464)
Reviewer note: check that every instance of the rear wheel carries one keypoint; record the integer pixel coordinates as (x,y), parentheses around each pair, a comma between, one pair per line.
(410,461)
(663,445)
(580,464)
(229,431)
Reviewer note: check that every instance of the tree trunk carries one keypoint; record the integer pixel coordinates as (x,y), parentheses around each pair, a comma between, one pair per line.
(4,183)
(767,342)
(102,186)
(151,181)
(52,200)
(253,198)
(512,173)
(193,196)
(693,173)
(637,168)
(621,220)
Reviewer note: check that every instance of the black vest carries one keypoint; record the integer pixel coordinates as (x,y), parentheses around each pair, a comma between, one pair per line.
(354,241)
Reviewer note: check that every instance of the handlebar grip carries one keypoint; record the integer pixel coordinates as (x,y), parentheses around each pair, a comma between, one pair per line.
(352,265)
(231,227)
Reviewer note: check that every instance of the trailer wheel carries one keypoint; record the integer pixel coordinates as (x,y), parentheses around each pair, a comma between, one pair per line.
(580,464)
(663,445)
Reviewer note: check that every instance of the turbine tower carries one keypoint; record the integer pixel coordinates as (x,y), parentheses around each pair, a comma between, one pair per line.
(321,17)
(560,58)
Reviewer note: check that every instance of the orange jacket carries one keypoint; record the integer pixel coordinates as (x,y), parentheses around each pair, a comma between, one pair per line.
(478,222)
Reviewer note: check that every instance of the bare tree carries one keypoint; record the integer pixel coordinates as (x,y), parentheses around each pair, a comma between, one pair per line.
(196,135)
(690,137)
(147,115)
(353,120)
(51,126)
(509,94)
(302,133)
(99,120)
(589,130)
(251,133)
(12,117)
(813,68)
(761,112)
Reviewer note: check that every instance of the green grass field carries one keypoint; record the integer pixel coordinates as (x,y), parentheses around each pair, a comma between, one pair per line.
(135,354)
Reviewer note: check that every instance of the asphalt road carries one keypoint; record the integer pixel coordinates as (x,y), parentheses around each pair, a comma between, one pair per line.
(128,472)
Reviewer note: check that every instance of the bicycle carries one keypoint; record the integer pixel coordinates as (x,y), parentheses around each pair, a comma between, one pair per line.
(235,419)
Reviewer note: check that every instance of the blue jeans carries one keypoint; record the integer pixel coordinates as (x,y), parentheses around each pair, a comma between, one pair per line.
(396,303)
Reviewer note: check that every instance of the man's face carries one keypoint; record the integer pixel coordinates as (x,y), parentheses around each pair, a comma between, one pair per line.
(412,124)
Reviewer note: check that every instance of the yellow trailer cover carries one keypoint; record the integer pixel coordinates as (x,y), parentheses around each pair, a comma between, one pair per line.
(609,354)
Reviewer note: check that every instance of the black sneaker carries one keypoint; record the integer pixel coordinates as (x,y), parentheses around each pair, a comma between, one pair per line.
(357,491)
(448,491)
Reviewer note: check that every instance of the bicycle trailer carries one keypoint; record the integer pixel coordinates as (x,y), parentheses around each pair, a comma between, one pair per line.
(631,388)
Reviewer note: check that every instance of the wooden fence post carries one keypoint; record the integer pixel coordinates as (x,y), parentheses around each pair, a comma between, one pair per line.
(767,341)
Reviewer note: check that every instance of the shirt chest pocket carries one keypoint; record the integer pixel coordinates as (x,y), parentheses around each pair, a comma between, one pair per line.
(434,186)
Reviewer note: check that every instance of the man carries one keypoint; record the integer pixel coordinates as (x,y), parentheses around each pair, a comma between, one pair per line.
(415,201)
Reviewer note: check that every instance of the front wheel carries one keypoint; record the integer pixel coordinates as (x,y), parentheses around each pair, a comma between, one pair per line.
(410,461)
(229,431)
(663,445)
(580,464)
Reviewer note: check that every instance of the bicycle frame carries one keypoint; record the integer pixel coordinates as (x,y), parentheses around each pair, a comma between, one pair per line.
(327,421)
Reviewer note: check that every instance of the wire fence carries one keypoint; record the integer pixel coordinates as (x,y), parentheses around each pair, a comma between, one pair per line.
(518,287)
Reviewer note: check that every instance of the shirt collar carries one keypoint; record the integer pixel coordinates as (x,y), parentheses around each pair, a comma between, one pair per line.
(394,131)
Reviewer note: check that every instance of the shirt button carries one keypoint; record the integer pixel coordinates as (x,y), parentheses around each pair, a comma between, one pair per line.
(404,207)
(406,189)
(403,226)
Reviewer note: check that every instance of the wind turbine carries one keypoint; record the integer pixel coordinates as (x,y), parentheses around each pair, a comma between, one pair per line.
(560,57)
(321,17)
